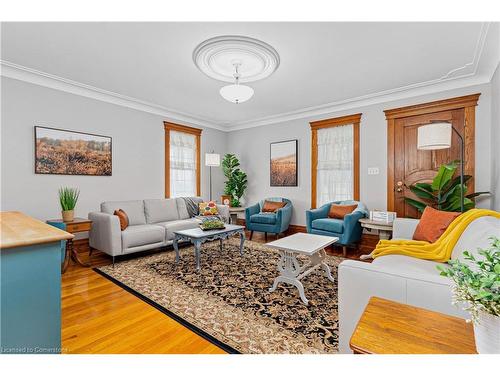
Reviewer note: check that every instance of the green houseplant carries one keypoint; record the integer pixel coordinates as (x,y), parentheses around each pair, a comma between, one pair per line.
(444,191)
(477,284)
(68,198)
(236,182)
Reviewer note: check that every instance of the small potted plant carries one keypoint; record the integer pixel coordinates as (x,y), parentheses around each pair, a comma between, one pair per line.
(477,284)
(68,198)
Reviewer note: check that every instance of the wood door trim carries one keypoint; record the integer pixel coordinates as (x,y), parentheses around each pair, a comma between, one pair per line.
(468,103)
(431,107)
(170,126)
(355,120)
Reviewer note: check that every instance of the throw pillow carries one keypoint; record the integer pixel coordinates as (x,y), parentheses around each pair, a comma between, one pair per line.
(433,224)
(123,218)
(208,208)
(338,211)
(271,206)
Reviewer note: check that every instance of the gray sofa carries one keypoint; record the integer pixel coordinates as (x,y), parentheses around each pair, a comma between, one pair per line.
(152,223)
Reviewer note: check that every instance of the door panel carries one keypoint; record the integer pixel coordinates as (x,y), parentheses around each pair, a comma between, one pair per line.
(413,165)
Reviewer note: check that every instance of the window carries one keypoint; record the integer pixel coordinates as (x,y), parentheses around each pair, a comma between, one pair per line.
(182,160)
(335,160)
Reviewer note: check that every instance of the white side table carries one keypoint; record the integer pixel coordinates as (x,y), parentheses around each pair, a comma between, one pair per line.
(233,213)
(384,229)
(291,272)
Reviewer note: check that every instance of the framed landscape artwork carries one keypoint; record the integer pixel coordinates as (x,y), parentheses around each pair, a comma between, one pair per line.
(60,151)
(284,163)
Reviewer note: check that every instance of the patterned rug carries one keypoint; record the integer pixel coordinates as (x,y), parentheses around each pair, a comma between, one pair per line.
(228,301)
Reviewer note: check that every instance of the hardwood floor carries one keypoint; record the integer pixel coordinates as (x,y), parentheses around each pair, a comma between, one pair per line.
(100,317)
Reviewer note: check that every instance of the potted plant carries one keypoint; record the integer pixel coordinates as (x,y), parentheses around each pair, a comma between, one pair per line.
(477,284)
(444,191)
(236,182)
(68,198)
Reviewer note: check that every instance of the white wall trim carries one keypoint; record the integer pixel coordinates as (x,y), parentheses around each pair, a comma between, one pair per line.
(449,81)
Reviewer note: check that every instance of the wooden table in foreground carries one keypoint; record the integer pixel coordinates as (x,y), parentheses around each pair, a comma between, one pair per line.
(388,327)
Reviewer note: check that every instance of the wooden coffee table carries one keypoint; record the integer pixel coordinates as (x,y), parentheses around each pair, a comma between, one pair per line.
(291,272)
(388,327)
(198,236)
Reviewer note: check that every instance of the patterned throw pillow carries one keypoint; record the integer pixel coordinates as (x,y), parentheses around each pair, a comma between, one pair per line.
(208,208)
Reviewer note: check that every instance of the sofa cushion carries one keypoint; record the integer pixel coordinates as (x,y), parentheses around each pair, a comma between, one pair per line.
(160,210)
(264,218)
(176,225)
(133,209)
(408,264)
(329,225)
(139,235)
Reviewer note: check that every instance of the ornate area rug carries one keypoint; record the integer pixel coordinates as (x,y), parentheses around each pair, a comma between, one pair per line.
(228,301)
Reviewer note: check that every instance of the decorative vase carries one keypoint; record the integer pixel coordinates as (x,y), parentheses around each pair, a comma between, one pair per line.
(68,215)
(487,333)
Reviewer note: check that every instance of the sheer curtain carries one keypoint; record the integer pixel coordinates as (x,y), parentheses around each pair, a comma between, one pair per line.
(182,164)
(335,175)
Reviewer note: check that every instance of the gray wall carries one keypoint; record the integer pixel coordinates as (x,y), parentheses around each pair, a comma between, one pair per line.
(138,150)
(252,146)
(495,139)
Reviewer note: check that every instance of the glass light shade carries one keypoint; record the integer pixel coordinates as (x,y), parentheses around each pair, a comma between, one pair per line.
(212,160)
(236,93)
(435,136)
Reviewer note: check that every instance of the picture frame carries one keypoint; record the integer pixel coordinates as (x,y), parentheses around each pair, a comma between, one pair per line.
(225,198)
(283,163)
(69,152)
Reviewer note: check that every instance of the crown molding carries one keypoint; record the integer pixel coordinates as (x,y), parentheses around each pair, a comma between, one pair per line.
(460,77)
(22,73)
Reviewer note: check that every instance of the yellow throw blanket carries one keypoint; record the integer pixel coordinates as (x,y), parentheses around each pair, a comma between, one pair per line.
(439,251)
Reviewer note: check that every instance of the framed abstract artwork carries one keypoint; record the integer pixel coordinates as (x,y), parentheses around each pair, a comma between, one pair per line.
(284,160)
(59,151)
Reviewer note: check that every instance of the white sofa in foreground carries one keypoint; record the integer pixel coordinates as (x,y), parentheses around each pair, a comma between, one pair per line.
(152,223)
(404,279)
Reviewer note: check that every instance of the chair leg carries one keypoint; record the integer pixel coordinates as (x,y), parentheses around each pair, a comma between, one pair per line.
(277,236)
(251,234)
(344,251)
(265,236)
(113,262)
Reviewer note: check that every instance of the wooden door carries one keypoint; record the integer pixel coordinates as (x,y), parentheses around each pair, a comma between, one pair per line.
(413,165)
(408,165)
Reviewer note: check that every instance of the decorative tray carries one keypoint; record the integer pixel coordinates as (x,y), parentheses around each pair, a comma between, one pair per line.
(215,228)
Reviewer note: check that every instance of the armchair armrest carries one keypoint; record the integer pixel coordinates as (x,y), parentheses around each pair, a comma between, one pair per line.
(283,217)
(105,234)
(352,227)
(223,212)
(404,228)
(251,210)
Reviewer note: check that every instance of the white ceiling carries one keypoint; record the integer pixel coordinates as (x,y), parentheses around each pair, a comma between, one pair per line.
(322,64)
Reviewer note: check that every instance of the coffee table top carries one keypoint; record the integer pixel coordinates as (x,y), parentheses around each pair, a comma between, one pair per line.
(198,233)
(304,243)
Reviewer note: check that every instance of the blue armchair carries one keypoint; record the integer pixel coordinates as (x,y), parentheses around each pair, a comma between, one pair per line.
(276,222)
(348,230)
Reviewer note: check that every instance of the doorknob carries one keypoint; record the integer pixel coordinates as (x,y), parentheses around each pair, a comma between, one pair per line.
(399,186)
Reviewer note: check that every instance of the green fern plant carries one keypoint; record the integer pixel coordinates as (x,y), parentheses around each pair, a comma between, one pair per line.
(444,191)
(236,182)
(68,198)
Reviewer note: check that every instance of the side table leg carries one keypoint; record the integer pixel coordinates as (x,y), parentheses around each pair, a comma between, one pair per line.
(176,248)
(242,242)
(74,255)
(67,255)
(324,266)
(220,244)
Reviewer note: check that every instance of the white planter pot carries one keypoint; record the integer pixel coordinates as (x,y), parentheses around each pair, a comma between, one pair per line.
(487,334)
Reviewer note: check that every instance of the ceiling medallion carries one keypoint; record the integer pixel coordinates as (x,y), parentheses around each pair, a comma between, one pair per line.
(236,59)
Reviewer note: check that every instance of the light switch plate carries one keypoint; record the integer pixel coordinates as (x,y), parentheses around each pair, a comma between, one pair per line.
(373,170)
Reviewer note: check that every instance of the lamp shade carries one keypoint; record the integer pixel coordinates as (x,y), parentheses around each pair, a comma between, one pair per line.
(212,160)
(435,136)
(236,93)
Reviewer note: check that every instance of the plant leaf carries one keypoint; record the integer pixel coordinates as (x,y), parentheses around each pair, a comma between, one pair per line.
(421,192)
(417,204)
(445,173)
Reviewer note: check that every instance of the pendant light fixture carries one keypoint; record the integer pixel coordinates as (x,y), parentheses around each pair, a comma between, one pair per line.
(236,93)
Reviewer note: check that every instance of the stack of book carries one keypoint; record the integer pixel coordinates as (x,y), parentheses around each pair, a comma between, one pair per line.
(383,216)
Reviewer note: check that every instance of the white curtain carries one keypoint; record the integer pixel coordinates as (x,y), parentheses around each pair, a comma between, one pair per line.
(335,164)
(182,164)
